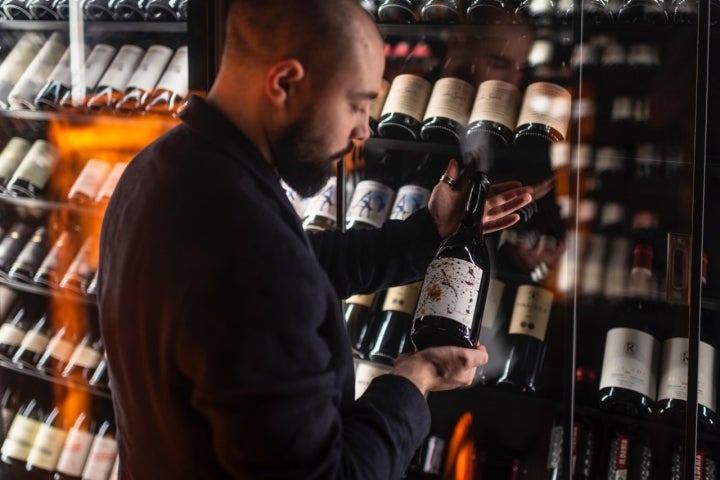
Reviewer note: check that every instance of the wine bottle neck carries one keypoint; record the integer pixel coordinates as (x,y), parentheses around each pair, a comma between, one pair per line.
(475,206)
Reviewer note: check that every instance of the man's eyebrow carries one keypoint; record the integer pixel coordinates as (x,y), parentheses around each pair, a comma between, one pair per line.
(363,95)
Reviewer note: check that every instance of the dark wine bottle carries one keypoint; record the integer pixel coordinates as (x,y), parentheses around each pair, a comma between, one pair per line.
(393,337)
(49,441)
(9,404)
(144,79)
(31,177)
(44,10)
(164,10)
(321,211)
(21,436)
(373,197)
(85,358)
(16,62)
(130,10)
(493,332)
(30,257)
(12,244)
(101,377)
(455,286)
(17,9)
(628,382)
(360,321)
(684,12)
(643,12)
(95,66)
(34,343)
(76,450)
(87,185)
(111,87)
(399,11)
(59,350)
(57,261)
(16,325)
(376,107)
(99,10)
(490,12)
(443,12)
(82,268)
(58,84)
(10,157)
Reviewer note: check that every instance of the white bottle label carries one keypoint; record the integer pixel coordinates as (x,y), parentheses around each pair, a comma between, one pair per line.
(299,203)
(12,155)
(38,164)
(324,204)
(451,98)
(492,302)
(85,357)
(410,199)
(34,341)
(59,349)
(114,474)
(630,361)
(90,179)
(33,79)
(17,61)
(364,300)
(97,62)
(62,73)
(100,461)
(378,102)
(20,437)
(547,104)
(371,203)
(11,335)
(46,448)
(122,68)
(365,373)
(175,78)
(409,95)
(151,68)
(7,298)
(402,299)
(74,453)
(496,101)
(674,372)
(531,311)
(108,187)
(450,290)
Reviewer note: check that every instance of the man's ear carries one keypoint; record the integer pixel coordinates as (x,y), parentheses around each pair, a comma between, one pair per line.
(282,80)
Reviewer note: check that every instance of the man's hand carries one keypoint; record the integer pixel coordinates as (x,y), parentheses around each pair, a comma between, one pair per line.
(446,204)
(440,368)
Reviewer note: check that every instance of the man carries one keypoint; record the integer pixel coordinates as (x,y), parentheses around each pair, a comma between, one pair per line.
(225,339)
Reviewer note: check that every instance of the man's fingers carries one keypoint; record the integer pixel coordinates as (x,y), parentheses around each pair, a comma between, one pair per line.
(509,205)
(501,223)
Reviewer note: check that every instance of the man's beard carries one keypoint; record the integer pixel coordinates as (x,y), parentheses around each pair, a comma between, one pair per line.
(301,159)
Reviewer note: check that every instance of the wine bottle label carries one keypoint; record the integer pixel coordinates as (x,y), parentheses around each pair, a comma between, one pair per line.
(402,299)
(90,180)
(114,474)
(12,155)
(175,78)
(85,357)
(622,109)
(554,460)
(34,341)
(11,335)
(74,453)
(364,300)
(19,58)
(365,373)
(546,104)
(32,80)
(371,203)
(450,98)
(378,102)
(674,372)
(433,461)
(101,459)
(59,349)
(409,95)
(108,187)
(47,447)
(38,164)
(450,290)
(410,199)
(97,62)
(150,69)
(630,361)
(496,101)
(531,311)
(122,68)
(324,204)
(20,437)
(299,203)
(619,455)
(62,72)
(7,299)
(492,302)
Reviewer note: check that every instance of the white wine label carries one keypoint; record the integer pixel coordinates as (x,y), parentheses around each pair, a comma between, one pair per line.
(90,179)
(47,447)
(674,372)
(12,155)
(324,204)
(34,341)
(151,68)
(371,203)
(409,95)
(175,78)
(62,73)
(74,453)
(59,349)
(365,373)
(20,437)
(122,67)
(97,62)
(402,299)
(410,199)
(630,361)
(32,80)
(11,335)
(111,181)
(492,302)
(450,98)
(547,104)
(433,460)
(378,102)
(298,203)
(496,101)
(38,164)
(531,311)
(364,300)
(450,290)
(85,357)
(17,61)
(707,376)
(100,461)
(114,474)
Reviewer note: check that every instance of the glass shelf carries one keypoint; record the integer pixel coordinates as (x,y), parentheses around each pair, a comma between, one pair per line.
(96,27)
(86,118)
(36,207)
(6,25)
(47,292)
(103,393)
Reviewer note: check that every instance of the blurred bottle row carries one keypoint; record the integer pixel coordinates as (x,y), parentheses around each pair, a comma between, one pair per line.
(96,10)
(540,13)
(56,434)
(116,78)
